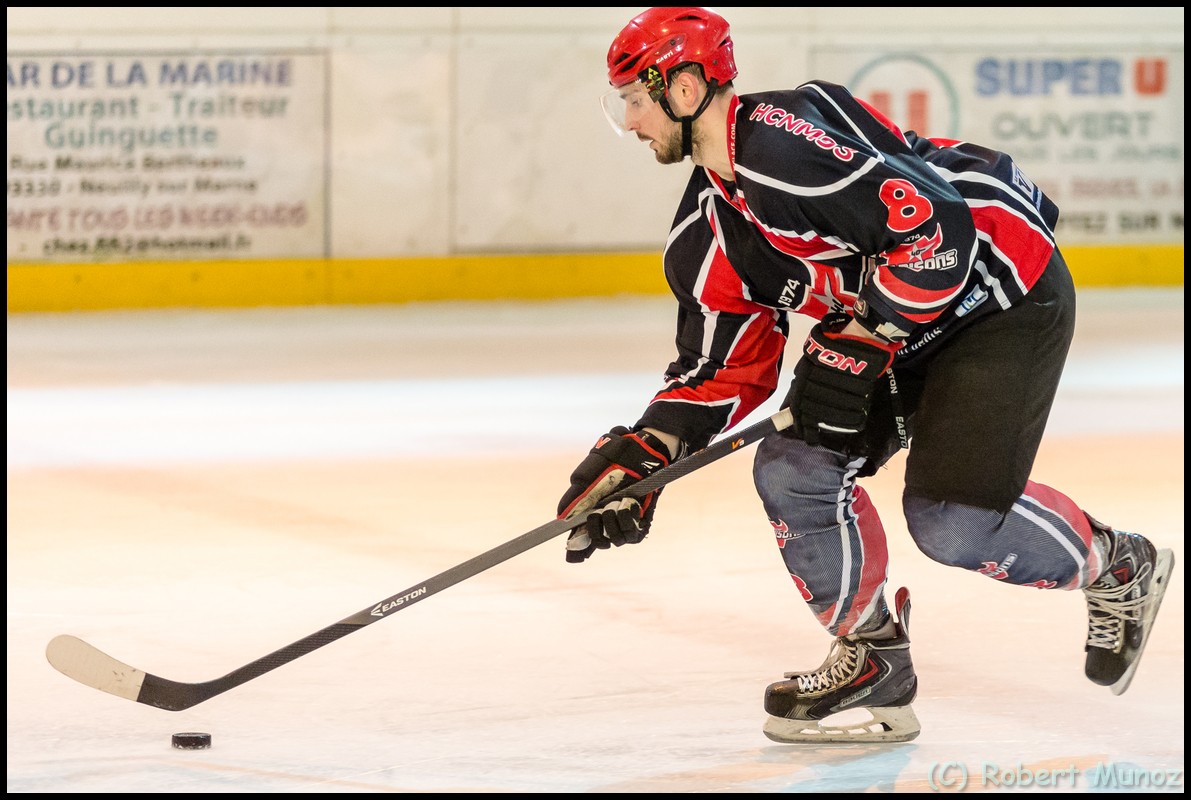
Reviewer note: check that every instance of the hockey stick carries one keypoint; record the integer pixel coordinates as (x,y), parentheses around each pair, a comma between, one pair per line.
(76,659)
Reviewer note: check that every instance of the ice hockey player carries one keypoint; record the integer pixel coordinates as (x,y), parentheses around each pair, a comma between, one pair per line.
(944,315)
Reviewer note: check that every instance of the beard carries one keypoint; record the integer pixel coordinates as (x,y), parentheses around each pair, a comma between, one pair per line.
(670,148)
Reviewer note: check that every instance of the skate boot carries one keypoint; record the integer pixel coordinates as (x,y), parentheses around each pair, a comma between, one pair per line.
(870,678)
(1122,605)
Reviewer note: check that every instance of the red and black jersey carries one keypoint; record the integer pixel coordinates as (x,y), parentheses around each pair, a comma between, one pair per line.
(834,208)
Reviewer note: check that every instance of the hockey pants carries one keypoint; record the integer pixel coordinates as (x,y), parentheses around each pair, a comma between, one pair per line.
(976,411)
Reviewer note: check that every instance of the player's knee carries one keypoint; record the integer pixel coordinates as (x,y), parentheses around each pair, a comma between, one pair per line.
(781,469)
(949,533)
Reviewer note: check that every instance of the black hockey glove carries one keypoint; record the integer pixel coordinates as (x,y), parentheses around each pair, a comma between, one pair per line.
(834,380)
(619,459)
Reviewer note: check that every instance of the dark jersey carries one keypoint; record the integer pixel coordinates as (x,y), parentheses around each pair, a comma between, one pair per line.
(835,209)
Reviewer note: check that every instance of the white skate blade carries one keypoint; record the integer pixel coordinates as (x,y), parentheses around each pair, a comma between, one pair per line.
(888,724)
(1163,566)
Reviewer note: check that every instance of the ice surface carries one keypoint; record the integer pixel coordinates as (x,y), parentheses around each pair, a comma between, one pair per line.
(191,490)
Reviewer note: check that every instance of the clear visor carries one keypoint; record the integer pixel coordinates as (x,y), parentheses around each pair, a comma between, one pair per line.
(625,106)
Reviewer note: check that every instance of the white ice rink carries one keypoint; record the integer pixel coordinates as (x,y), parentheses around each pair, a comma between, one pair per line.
(190,491)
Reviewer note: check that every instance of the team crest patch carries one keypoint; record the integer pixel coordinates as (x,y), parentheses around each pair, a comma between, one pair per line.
(923,253)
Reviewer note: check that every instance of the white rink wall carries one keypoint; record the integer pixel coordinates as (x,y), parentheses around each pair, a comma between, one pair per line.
(478,130)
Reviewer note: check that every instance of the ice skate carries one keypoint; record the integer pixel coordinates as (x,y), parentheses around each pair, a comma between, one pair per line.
(1122,605)
(870,678)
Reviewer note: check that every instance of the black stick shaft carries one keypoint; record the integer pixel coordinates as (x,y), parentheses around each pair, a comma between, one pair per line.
(175,696)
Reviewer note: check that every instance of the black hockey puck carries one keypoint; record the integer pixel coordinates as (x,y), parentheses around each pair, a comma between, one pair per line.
(192,741)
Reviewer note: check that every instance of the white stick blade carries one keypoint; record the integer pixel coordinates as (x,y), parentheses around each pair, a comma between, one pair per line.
(76,659)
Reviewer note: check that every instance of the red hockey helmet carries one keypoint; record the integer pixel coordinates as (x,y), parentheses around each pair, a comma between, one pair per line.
(662,38)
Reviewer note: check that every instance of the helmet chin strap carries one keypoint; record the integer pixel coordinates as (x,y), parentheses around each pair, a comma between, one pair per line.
(688,122)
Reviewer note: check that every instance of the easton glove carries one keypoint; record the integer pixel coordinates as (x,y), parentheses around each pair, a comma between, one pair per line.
(619,459)
(834,380)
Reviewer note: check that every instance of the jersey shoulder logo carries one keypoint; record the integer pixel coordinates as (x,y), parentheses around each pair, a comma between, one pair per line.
(922,253)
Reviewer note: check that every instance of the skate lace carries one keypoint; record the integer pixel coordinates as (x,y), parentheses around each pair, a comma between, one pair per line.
(1110,608)
(836,670)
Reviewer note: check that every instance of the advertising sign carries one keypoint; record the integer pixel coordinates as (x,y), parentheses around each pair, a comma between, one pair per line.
(166,156)
(1099,130)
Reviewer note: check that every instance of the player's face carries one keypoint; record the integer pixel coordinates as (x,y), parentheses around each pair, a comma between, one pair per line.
(626,107)
(629,109)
